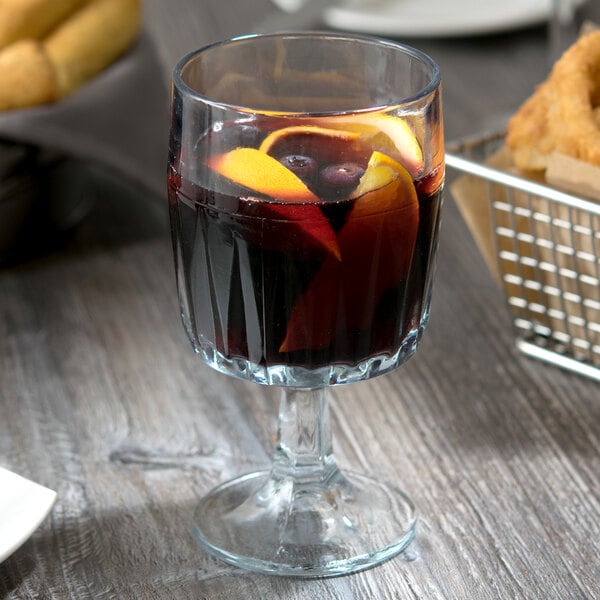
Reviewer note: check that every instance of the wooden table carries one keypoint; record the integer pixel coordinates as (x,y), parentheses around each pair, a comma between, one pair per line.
(102,399)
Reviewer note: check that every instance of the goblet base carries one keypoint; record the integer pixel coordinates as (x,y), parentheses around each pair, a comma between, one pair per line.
(344,523)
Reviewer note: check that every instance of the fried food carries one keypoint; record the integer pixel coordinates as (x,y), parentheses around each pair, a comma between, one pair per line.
(563,114)
(77,40)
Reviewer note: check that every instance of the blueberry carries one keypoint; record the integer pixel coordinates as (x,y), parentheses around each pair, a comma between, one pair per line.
(340,179)
(303,166)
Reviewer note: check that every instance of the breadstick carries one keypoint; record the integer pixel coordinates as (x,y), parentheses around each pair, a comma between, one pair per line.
(91,39)
(20,19)
(27,76)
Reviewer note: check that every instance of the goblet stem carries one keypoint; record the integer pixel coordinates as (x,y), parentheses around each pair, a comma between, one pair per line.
(304,517)
(304,450)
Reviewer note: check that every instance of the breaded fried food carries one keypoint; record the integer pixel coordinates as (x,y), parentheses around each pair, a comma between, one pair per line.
(563,114)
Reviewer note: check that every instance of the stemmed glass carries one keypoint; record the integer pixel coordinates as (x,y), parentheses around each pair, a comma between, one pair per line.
(305,181)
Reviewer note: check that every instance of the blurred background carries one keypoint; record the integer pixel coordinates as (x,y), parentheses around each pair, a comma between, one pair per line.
(86,163)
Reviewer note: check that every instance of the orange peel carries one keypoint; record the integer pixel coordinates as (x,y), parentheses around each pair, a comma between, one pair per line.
(261,173)
(387,133)
(321,143)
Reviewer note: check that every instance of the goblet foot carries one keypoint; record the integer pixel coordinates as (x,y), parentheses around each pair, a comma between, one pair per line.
(345,523)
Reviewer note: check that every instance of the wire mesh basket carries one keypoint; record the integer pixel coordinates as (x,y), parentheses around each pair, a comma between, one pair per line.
(547,252)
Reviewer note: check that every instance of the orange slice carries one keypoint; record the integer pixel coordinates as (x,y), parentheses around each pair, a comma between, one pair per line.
(376,245)
(381,170)
(261,173)
(296,225)
(321,143)
(386,133)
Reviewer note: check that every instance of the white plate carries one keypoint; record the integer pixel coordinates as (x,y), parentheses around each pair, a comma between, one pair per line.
(23,506)
(430,18)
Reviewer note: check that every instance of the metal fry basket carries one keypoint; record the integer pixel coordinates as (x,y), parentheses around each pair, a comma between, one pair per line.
(547,251)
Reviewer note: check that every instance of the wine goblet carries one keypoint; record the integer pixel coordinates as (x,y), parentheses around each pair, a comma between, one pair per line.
(305,186)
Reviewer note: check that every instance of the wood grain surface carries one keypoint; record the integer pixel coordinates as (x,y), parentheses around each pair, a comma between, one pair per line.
(102,399)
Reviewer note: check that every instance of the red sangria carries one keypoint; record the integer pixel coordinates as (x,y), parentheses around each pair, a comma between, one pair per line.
(305,177)
(305,243)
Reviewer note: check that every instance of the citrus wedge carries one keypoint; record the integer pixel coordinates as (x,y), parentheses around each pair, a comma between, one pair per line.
(381,170)
(295,225)
(261,173)
(376,245)
(386,133)
(321,143)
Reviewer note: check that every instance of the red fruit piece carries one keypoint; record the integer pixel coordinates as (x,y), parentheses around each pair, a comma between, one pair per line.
(301,231)
(294,223)
(376,245)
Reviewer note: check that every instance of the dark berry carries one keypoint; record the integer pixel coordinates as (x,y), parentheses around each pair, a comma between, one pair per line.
(303,166)
(343,174)
(340,179)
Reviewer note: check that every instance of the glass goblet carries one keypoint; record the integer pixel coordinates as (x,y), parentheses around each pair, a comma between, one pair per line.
(305,182)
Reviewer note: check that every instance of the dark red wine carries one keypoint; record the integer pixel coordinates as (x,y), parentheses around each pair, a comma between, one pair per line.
(336,272)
